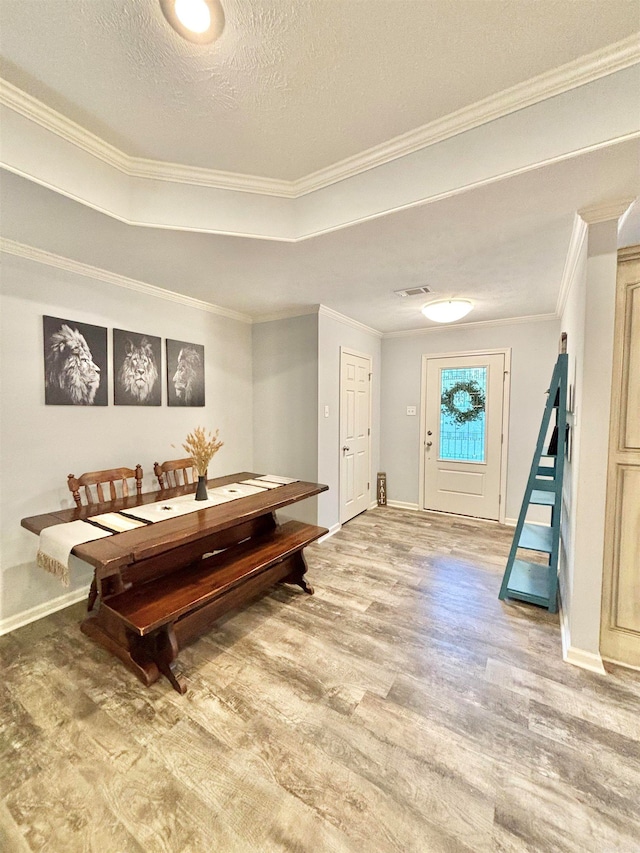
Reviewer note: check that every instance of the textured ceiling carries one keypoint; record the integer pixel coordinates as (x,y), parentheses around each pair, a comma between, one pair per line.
(503,245)
(292,86)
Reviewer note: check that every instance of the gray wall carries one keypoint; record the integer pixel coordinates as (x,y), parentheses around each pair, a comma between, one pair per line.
(41,445)
(534,347)
(285,400)
(334,334)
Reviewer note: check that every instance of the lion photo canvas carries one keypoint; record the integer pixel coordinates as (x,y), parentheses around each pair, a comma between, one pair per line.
(185,374)
(75,363)
(136,369)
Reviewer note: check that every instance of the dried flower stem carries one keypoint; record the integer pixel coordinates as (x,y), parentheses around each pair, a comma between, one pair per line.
(202,449)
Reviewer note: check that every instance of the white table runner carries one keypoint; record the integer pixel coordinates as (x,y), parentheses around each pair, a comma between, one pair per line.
(57,542)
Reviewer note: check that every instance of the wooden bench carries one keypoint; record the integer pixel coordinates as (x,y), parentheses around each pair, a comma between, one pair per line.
(154,620)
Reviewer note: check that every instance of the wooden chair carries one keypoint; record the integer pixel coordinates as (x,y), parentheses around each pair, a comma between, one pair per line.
(176,472)
(102,478)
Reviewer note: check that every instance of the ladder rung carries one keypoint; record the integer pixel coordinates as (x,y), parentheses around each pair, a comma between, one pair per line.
(536,537)
(529,582)
(545,471)
(544,485)
(543,497)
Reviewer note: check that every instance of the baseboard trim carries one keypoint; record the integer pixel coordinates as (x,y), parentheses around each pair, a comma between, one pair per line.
(12,623)
(373,505)
(332,530)
(585,660)
(622,663)
(403,505)
(577,657)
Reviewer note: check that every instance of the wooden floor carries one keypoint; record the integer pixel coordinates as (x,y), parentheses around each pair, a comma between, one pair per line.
(401,708)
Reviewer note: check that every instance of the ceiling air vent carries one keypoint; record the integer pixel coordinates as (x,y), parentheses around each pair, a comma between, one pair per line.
(412,291)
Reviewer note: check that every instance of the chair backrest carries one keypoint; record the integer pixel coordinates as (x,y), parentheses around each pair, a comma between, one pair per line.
(100,479)
(175,472)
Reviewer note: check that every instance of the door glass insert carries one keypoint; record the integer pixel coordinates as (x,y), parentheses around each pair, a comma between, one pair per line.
(463,394)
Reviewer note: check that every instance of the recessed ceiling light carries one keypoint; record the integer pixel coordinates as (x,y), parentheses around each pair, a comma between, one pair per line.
(447,310)
(200,21)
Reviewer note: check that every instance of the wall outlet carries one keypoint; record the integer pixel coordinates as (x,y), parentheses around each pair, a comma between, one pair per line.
(412,410)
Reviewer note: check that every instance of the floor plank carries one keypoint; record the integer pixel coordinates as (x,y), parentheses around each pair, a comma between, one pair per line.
(402,708)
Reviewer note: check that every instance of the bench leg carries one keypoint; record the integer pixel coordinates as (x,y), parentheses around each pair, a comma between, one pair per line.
(166,652)
(299,570)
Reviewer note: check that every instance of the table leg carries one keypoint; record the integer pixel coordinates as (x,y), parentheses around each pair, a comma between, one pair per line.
(166,652)
(296,576)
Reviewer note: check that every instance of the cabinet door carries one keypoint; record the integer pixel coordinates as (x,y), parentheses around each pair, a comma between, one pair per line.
(620,626)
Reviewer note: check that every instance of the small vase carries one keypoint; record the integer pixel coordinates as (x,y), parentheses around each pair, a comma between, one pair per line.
(201,492)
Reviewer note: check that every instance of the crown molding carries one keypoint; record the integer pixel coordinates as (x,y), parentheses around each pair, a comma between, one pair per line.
(210,178)
(42,256)
(136,167)
(506,321)
(585,69)
(348,321)
(320,310)
(605,212)
(53,121)
(285,315)
(578,237)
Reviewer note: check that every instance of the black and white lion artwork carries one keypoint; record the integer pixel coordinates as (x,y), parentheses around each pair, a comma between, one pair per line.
(75,356)
(135,365)
(185,373)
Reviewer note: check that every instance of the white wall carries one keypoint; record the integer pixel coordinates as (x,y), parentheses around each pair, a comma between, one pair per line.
(41,445)
(285,398)
(573,324)
(534,348)
(589,317)
(332,335)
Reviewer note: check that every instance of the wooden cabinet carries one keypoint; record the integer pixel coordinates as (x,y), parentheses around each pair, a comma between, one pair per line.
(620,624)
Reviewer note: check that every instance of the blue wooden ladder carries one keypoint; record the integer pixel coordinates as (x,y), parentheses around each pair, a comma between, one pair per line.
(535,582)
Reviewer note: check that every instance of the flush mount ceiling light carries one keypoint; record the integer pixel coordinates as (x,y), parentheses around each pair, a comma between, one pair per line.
(200,21)
(447,310)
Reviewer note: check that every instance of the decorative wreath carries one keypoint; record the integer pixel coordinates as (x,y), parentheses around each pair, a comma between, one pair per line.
(476,402)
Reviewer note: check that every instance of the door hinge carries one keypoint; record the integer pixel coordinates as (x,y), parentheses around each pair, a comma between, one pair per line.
(370,375)
(499,499)
(369,431)
(368,486)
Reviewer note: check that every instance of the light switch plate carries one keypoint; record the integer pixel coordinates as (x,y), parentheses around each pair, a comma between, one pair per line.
(411,410)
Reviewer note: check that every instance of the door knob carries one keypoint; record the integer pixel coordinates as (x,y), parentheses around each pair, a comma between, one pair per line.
(428,443)
(345,448)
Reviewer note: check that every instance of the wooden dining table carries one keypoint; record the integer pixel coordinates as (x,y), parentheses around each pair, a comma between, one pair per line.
(160,586)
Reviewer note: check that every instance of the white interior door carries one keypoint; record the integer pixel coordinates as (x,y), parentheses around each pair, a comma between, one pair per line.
(355,431)
(463,417)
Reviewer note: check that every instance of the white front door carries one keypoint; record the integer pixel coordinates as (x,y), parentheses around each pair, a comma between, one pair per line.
(355,430)
(463,416)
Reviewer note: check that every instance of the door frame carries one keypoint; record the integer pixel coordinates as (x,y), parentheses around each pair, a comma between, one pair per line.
(506,394)
(369,358)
